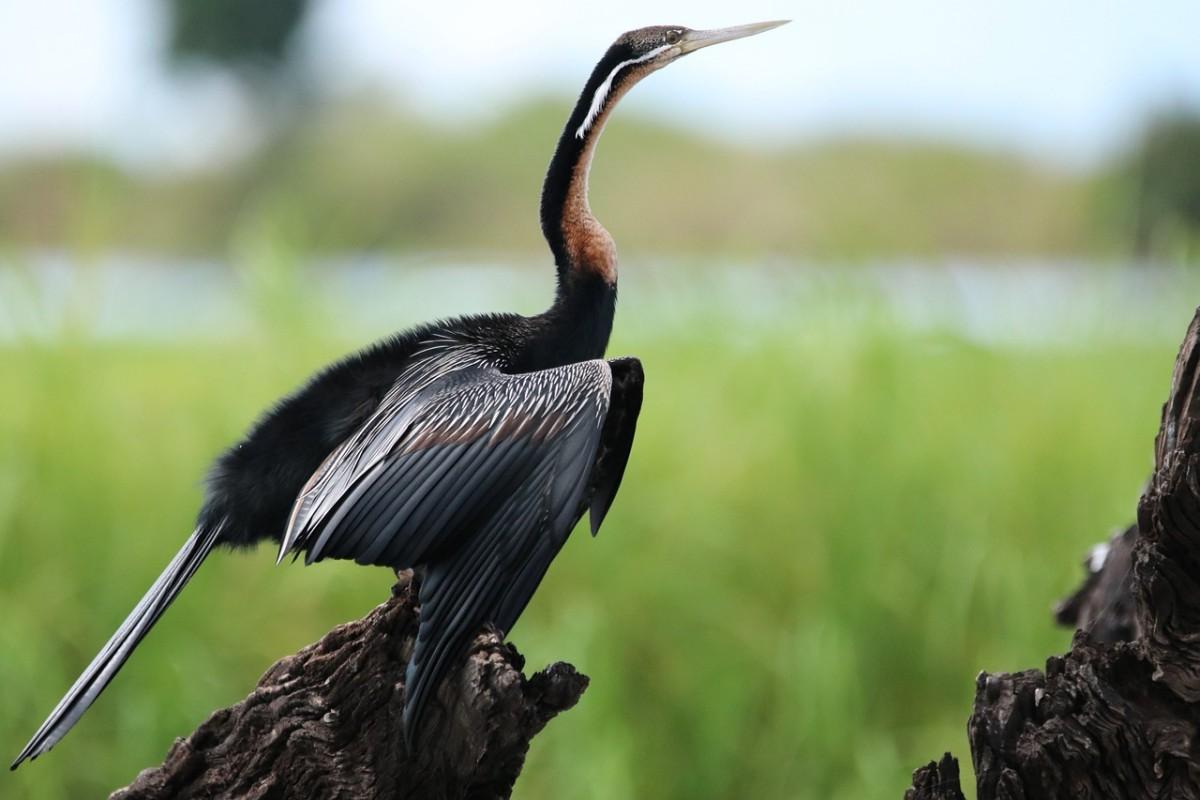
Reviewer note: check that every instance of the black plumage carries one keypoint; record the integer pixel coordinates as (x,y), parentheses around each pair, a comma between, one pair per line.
(468,448)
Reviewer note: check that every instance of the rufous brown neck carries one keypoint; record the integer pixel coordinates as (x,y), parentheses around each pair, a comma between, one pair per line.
(584,252)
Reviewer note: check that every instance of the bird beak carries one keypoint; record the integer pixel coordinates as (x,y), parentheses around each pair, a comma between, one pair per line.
(694,40)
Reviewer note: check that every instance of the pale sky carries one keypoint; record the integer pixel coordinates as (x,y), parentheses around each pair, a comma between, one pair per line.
(1065,81)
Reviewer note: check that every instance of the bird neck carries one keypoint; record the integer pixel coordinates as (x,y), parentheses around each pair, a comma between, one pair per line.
(580,321)
(576,327)
(584,255)
(584,252)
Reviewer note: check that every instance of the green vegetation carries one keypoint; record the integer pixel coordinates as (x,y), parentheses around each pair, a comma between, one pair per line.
(353,177)
(1166,172)
(826,530)
(234,34)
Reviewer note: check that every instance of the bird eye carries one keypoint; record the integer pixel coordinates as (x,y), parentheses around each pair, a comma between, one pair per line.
(673,37)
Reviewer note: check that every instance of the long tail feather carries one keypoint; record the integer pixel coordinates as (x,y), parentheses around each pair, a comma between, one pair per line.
(110,659)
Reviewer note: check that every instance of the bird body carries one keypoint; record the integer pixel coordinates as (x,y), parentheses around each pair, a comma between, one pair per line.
(467,448)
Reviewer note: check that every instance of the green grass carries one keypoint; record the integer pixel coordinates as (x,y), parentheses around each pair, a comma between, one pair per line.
(825,532)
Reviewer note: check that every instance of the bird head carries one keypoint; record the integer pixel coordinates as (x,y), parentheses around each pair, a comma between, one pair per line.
(659,45)
(637,53)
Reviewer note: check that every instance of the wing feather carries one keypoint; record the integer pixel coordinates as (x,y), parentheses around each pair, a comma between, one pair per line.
(460,594)
(620,424)
(477,475)
(402,501)
(469,439)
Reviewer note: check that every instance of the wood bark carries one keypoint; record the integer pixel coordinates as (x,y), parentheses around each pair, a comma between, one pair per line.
(326,722)
(1116,716)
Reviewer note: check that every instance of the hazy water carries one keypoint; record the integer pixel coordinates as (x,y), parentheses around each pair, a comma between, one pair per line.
(1023,303)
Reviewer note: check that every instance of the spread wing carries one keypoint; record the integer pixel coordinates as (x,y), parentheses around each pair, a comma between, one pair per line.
(476,474)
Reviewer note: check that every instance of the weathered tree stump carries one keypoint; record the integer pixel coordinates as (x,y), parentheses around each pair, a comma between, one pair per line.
(937,780)
(326,722)
(1104,604)
(1117,716)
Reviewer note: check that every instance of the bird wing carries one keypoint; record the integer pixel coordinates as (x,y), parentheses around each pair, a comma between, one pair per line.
(616,440)
(478,475)
(493,578)
(437,460)
(353,463)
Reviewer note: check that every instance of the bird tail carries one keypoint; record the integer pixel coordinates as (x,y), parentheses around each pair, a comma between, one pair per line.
(110,659)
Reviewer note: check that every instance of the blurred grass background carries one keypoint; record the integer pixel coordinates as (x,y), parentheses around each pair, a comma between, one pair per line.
(831,522)
(360,174)
(355,176)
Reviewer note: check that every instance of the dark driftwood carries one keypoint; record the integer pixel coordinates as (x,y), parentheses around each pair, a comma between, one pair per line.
(937,780)
(325,722)
(1117,716)
(1104,604)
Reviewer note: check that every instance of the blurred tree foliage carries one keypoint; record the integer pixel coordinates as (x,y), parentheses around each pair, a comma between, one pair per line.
(359,175)
(254,41)
(235,33)
(1165,169)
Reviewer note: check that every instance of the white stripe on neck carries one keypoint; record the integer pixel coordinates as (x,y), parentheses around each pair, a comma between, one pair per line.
(602,92)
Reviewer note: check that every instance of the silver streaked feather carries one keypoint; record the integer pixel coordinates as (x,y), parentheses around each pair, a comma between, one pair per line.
(476,474)
(448,396)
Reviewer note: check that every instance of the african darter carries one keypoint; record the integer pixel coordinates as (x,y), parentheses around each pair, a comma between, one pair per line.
(467,449)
